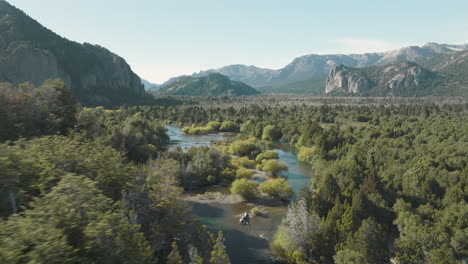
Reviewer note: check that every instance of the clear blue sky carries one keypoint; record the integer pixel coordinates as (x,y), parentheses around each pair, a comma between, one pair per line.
(161,39)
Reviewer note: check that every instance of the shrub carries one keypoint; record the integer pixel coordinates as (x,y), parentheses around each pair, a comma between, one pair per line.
(244,148)
(245,188)
(277,188)
(213,126)
(306,154)
(243,173)
(274,166)
(266,155)
(243,162)
(257,211)
(270,132)
(229,126)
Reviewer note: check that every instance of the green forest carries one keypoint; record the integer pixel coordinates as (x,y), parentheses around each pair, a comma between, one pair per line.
(102,185)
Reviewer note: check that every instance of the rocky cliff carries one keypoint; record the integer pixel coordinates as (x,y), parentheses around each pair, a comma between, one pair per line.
(343,80)
(401,79)
(31,52)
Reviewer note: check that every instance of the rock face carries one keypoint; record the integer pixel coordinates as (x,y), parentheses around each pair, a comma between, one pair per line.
(30,52)
(214,84)
(403,78)
(342,80)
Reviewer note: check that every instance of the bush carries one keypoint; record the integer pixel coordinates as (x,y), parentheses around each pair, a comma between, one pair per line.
(244,148)
(243,173)
(243,162)
(229,126)
(277,188)
(274,166)
(257,211)
(196,130)
(245,188)
(270,133)
(213,126)
(266,155)
(306,154)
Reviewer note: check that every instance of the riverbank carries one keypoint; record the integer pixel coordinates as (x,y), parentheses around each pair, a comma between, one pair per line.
(218,209)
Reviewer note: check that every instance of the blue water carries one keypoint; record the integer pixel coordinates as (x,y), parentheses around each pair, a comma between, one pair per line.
(245,244)
(178,138)
(299,173)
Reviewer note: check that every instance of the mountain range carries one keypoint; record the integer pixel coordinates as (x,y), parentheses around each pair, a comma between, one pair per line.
(308,74)
(32,53)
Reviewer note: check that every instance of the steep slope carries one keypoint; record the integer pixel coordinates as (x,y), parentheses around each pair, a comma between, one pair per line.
(31,52)
(401,79)
(214,84)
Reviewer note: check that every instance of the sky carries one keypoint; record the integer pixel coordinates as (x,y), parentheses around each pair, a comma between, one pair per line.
(163,39)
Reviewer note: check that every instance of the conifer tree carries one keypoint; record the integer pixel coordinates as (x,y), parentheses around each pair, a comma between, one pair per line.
(219,255)
(174,257)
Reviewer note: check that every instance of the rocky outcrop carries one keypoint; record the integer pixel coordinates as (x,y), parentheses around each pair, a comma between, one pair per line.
(214,84)
(20,62)
(342,80)
(397,79)
(31,52)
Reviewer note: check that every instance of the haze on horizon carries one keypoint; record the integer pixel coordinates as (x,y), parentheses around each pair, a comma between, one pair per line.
(163,39)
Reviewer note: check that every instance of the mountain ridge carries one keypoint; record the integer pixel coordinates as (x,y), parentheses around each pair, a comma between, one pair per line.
(213,84)
(31,52)
(312,66)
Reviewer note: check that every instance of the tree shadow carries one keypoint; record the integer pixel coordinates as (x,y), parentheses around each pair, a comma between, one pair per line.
(243,248)
(206,210)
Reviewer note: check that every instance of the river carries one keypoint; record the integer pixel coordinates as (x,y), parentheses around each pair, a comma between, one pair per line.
(245,244)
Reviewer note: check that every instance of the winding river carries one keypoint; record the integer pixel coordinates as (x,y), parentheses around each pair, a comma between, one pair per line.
(245,244)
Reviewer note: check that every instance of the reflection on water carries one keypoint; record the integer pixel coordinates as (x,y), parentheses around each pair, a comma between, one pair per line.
(247,244)
(299,173)
(186,141)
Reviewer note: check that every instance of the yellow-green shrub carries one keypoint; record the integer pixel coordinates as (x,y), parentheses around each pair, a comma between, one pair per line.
(266,155)
(277,188)
(243,173)
(245,188)
(243,162)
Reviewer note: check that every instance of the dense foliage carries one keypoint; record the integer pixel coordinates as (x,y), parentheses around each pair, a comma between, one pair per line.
(81,185)
(390,181)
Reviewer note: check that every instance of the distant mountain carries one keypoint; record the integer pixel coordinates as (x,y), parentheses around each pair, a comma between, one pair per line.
(305,73)
(251,75)
(150,86)
(214,84)
(444,74)
(312,86)
(31,52)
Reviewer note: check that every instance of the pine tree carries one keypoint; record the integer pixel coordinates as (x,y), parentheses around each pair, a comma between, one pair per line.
(219,255)
(174,257)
